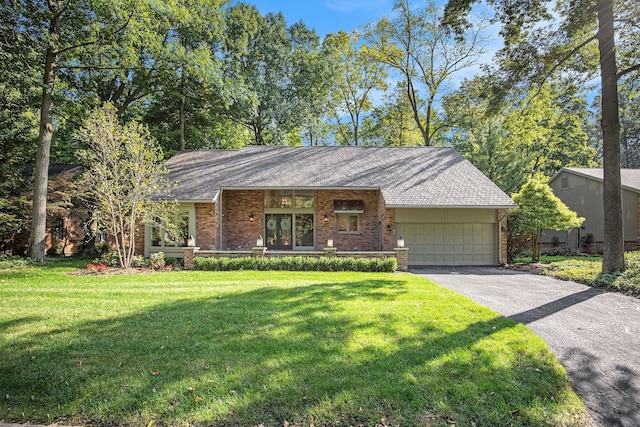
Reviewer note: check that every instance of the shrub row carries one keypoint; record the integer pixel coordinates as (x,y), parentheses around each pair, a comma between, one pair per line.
(298,263)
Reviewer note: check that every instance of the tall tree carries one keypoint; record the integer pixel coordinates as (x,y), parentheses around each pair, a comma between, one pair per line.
(412,43)
(283,76)
(533,52)
(392,123)
(355,79)
(60,29)
(19,90)
(124,171)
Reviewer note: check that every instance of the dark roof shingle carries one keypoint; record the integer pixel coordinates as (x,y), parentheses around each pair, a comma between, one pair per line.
(406,176)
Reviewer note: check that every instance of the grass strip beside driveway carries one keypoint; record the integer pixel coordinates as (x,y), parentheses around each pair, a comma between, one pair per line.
(250,348)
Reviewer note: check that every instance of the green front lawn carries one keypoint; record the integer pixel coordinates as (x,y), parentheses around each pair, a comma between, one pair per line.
(250,348)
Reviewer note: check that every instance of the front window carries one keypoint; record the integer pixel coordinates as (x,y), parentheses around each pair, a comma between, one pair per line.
(289,219)
(161,238)
(349,223)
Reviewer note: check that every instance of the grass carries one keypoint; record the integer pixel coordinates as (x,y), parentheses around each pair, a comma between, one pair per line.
(272,348)
(587,269)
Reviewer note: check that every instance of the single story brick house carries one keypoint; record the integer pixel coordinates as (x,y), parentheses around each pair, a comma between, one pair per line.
(363,198)
(581,190)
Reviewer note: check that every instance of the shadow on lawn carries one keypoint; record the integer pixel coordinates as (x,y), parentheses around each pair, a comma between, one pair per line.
(331,353)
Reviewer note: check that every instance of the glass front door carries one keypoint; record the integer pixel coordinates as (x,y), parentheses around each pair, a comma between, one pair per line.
(278,231)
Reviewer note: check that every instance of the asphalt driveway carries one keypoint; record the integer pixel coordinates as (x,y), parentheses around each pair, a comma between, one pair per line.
(594,334)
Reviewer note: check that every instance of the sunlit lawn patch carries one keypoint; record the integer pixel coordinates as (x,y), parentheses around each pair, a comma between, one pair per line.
(248,348)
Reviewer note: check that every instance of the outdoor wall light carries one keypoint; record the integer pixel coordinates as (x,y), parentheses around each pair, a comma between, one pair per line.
(400,242)
(330,242)
(251,217)
(259,242)
(388,227)
(326,218)
(191,242)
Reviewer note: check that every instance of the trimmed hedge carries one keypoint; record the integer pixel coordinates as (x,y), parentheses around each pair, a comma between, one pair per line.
(298,263)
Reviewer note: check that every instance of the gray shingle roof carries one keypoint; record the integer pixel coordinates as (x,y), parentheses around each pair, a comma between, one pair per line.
(630,177)
(406,176)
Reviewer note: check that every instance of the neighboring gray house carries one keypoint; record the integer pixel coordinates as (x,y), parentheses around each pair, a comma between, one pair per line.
(363,198)
(581,190)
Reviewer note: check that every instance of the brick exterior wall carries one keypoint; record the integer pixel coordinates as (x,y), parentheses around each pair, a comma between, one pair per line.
(238,232)
(386,217)
(367,240)
(207,225)
(139,240)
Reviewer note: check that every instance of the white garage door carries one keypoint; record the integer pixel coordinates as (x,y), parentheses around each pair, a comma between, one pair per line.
(449,244)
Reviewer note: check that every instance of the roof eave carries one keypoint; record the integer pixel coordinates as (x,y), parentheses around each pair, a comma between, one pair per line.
(405,206)
(595,178)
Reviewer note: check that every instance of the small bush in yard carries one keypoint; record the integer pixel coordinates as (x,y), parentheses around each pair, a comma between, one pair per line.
(13,262)
(297,264)
(156,261)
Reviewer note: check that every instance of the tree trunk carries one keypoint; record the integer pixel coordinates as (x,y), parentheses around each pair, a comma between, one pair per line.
(183,101)
(613,257)
(182,138)
(411,94)
(38,232)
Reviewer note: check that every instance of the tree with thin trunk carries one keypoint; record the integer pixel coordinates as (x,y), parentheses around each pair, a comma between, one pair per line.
(355,80)
(124,173)
(566,42)
(426,56)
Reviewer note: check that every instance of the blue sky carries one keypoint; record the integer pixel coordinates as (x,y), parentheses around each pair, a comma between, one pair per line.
(327,16)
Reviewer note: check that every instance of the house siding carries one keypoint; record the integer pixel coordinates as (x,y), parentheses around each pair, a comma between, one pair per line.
(238,232)
(584,196)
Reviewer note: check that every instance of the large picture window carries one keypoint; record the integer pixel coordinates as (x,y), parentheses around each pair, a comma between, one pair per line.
(289,219)
(161,238)
(158,239)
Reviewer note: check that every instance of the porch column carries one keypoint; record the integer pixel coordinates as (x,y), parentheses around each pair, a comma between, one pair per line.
(259,251)
(329,252)
(402,256)
(189,255)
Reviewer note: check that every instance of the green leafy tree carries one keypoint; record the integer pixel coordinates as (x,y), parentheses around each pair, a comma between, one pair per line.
(412,43)
(530,132)
(579,38)
(355,79)
(59,30)
(392,123)
(124,172)
(539,209)
(284,76)
(19,91)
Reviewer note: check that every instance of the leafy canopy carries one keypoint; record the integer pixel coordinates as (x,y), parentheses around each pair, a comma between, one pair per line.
(541,209)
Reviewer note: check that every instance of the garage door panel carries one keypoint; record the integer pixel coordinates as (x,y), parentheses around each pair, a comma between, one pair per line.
(449,244)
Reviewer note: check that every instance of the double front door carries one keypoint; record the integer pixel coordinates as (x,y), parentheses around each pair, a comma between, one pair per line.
(284,231)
